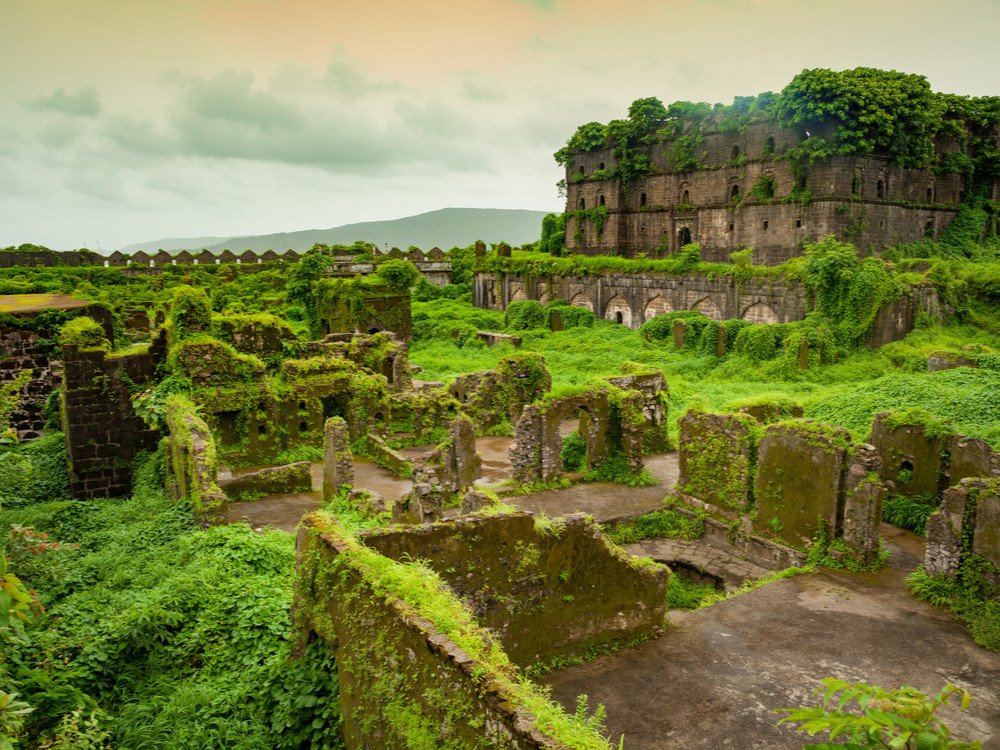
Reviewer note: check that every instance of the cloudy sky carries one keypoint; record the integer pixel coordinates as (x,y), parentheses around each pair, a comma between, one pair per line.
(123,121)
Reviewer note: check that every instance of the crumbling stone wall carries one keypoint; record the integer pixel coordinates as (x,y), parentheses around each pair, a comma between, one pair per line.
(535,455)
(932,462)
(491,397)
(963,535)
(402,680)
(545,591)
(718,453)
(28,347)
(191,462)
(271,480)
(793,482)
(646,430)
(103,432)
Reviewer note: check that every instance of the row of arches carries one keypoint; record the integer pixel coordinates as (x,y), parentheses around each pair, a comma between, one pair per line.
(618,309)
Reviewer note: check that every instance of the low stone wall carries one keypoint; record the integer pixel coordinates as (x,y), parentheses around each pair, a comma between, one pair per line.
(391,459)
(272,480)
(547,591)
(403,681)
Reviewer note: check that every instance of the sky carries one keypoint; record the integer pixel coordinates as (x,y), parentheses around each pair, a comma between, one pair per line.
(124,121)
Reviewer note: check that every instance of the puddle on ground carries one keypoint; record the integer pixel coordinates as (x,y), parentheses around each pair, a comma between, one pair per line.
(285,511)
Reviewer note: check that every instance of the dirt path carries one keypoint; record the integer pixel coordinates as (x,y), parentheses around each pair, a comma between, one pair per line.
(714,680)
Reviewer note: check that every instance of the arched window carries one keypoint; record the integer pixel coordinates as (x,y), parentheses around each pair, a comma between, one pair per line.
(734,193)
(686,198)
(684,237)
(601,166)
(930,195)
(929,229)
(769,146)
(601,200)
(642,200)
(735,153)
(880,189)
(581,169)
(583,205)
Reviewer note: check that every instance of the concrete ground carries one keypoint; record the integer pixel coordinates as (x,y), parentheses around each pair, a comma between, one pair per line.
(603,500)
(714,679)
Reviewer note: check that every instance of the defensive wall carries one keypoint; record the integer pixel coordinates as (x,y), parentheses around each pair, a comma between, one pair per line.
(633,299)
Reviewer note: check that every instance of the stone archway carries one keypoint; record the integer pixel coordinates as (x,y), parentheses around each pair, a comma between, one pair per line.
(582,300)
(544,299)
(517,293)
(657,306)
(619,311)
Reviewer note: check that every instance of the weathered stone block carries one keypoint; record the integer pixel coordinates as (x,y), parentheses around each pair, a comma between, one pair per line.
(798,488)
(717,455)
(971,457)
(911,460)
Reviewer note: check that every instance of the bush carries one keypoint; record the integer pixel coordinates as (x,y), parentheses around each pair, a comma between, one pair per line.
(398,272)
(524,315)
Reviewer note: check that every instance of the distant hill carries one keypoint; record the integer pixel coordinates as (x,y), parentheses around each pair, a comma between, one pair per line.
(445,228)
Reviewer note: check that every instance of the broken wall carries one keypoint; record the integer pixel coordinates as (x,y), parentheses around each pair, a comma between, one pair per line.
(963,535)
(545,590)
(403,681)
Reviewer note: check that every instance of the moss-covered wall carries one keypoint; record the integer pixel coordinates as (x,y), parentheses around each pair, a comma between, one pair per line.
(913,458)
(963,535)
(547,590)
(718,455)
(414,668)
(799,482)
(192,468)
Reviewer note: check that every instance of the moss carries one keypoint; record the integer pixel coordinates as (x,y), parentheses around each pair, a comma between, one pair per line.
(917,417)
(85,333)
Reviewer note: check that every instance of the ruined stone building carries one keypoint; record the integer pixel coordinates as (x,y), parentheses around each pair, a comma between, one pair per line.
(745,192)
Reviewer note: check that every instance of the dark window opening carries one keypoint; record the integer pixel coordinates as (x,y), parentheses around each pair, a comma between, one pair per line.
(734,193)
(684,236)
(618,317)
(731,226)
(642,230)
(600,200)
(929,229)
(642,200)
(855,186)
(302,405)
(335,406)
(803,183)
(798,223)
(303,427)
(880,189)
(930,195)
(581,170)
(735,153)
(961,196)
(262,430)
(765,225)
(881,224)
(769,146)
(686,200)
(373,331)
(583,205)
(601,166)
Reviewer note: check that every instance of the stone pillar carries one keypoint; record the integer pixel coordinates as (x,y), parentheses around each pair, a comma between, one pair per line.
(863,496)
(338,463)
(465,464)
(720,341)
(480,248)
(804,355)
(943,552)
(680,331)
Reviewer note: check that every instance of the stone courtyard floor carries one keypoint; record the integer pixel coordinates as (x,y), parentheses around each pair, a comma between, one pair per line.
(714,679)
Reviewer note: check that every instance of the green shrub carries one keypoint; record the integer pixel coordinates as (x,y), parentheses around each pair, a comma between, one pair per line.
(85,333)
(524,315)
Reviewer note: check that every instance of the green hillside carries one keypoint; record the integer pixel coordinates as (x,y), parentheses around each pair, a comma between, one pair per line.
(444,228)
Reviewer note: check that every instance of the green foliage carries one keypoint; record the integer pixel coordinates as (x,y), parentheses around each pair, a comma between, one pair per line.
(763,189)
(963,595)
(553,239)
(34,472)
(524,315)
(616,469)
(915,416)
(667,523)
(398,272)
(909,512)
(569,316)
(85,333)
(574,452)
(900,718)
(190,314)
(758,342)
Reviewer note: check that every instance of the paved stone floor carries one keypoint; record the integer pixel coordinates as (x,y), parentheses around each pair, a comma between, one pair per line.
(714,679)
(718,563)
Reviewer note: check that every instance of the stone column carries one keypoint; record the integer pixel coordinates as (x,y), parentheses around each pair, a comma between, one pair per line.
(338,463)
